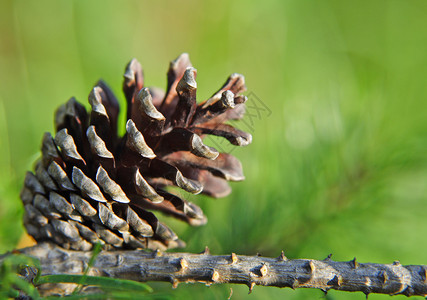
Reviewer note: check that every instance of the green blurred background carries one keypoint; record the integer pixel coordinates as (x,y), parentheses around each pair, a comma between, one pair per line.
(340,164)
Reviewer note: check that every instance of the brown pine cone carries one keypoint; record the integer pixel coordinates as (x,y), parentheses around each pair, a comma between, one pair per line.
(91,185)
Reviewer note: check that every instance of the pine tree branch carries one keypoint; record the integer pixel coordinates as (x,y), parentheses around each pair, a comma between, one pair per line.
(324,274)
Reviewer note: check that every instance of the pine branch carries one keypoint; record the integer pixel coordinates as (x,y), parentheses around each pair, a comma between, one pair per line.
(324,274)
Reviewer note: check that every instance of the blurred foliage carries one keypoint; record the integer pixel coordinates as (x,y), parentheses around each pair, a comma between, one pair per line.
(338,163)
(11,282)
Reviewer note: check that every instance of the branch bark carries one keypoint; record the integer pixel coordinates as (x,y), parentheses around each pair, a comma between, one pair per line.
(324,274)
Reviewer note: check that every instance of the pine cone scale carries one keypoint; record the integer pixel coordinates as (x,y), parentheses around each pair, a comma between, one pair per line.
(60,176)
(82,206)
(175,73)
(110,187)
(152,121)
(146,190)
(186,106)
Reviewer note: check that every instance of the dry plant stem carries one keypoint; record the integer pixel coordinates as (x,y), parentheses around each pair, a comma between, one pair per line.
(324,274)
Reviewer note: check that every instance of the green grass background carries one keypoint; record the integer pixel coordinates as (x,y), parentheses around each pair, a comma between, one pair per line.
(340,165)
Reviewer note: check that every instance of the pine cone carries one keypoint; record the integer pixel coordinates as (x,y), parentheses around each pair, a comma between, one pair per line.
(91,185)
